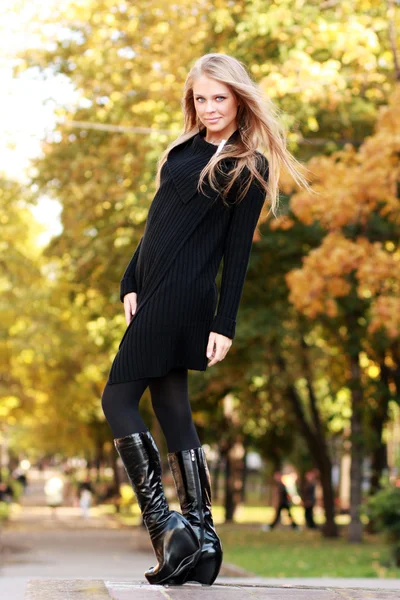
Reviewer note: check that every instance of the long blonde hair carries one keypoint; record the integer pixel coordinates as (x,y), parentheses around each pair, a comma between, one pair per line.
(259,126)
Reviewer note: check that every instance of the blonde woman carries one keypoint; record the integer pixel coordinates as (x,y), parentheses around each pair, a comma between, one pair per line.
(212,184)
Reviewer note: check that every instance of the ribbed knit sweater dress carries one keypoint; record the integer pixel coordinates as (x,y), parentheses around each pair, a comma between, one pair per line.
(174,267)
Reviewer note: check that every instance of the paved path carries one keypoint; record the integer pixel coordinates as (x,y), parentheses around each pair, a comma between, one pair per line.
(104,560)
(39,543)
(107,590)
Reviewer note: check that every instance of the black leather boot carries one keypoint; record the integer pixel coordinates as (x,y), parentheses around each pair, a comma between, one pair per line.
(174,541)
(190,470)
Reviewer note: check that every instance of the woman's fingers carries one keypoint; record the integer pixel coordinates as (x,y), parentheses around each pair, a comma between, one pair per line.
(210,345)
(130,303)
(128,314)
(222,345)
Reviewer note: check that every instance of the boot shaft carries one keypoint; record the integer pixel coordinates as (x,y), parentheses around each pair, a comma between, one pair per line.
(186,466)
(141,460)
(205,480)
(184,469)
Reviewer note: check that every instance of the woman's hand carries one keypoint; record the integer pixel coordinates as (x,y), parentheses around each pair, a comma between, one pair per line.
(222,345)
(130,303)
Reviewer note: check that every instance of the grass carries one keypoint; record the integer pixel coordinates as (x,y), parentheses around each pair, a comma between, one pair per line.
(284,552)
(288,553)
(130,513)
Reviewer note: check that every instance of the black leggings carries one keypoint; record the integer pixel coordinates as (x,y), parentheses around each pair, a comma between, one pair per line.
(170,401)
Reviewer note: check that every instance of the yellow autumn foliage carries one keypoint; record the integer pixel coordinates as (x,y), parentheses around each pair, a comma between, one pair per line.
(354,187)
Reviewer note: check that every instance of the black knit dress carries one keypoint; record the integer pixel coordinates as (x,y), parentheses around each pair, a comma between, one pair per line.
(174,267)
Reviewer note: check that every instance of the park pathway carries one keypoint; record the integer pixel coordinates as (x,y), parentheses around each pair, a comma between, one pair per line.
(60,556)
(35,543)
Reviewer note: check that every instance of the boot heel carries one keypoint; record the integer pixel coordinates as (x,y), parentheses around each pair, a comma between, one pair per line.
(181,555)
(206,570)
(177,577)
(180,575)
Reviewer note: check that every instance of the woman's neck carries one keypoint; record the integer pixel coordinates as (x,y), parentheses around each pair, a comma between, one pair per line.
(216,138)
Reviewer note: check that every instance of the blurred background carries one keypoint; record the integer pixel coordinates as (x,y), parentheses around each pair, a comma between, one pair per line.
(306,407)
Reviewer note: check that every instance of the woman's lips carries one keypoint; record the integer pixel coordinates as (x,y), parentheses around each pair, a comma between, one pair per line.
(213,120)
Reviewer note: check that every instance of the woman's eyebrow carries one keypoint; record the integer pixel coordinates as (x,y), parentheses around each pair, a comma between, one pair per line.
(214,95)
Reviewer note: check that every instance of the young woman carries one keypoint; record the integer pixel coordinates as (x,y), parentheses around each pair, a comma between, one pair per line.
(212,183)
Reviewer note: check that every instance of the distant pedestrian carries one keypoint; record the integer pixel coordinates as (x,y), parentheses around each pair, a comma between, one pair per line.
(20,475)
(54,488)
(284,503)
(6,492)
(309,498)
(85,497)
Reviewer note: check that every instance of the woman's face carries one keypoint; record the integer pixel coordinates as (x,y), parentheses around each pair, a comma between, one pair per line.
(215,105)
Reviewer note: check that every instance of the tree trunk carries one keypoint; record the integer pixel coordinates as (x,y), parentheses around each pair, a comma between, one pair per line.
(233,478)
(329,528)
(117,479)
(357,452)
(216,477)
(379,452)
(378,460)
(317,446)
(228,500)
(99,460)
(244,479)
(379,419)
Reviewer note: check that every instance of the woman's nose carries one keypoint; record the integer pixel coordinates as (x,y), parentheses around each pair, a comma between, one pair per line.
(210,108)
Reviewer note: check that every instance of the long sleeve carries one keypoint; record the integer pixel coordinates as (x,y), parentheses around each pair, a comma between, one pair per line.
(128,281)
(236,256)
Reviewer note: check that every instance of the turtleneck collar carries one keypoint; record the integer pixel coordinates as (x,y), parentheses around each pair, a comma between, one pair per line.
(186,160)
(199,142)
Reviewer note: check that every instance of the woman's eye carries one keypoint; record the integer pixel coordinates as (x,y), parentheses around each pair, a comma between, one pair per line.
(223,98)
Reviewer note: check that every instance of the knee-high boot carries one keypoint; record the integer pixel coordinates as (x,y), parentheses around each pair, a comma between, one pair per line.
(174,541)
(190,472)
